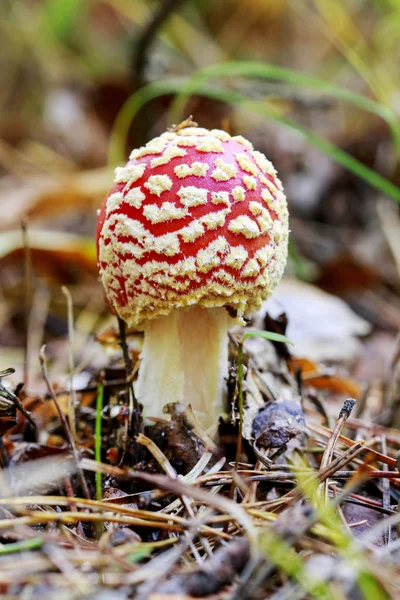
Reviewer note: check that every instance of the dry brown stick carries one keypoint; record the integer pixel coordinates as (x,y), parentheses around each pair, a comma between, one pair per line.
(68,517)
(71,395)
(343,460)
(327,456)
(251,496)
(282,476)
(64,422)
(326,432)
(170,471)
(91,505)
(27,294)
(135,424)
(152,519)
(392,435)
(298,492)
(179,488)
(386,491)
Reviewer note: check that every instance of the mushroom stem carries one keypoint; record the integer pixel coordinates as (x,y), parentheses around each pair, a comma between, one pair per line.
(185,359)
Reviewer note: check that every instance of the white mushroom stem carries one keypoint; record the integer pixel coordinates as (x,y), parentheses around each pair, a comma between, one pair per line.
(185,359)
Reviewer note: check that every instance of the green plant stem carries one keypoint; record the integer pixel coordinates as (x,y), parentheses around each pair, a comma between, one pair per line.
(32,544)
(267,335)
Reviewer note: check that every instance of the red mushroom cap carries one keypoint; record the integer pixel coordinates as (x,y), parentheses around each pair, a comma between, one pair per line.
(195,217)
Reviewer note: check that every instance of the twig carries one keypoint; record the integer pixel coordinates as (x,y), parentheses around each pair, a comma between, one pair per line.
(170,471)
(135,425)
(71,395)
(298,492)
(97,438)
(64,422)
(37,517)
(27,296)
(179,488)
(343,416)
(88,504)
(285,476)
(386,490)
(326,432)
(327,456)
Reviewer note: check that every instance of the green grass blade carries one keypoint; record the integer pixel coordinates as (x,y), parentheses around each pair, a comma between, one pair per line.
(334,531)
(284,556)
(268,335)
(23,546)
(335,153)
(254,69)
(123,121)
(154,90)
(289,76)
(371,587)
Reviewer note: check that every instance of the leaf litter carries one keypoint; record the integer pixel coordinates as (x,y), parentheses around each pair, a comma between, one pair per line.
(306,506)
(177,516)
(309,506)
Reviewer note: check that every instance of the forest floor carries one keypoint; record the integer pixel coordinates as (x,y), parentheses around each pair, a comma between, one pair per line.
(93,504)
(294,496)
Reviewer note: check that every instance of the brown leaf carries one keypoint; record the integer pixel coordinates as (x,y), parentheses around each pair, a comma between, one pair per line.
(54,254)
(311,375)
(49,196)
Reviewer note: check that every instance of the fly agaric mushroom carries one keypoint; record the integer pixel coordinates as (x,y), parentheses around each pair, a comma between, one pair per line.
(193,231)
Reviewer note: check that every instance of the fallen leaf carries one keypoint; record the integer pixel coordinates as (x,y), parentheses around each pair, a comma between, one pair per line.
(49,196)
(313,374)
(53,253)
(321,326)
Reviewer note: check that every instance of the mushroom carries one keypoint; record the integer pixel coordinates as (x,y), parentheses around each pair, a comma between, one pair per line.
(192,236)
